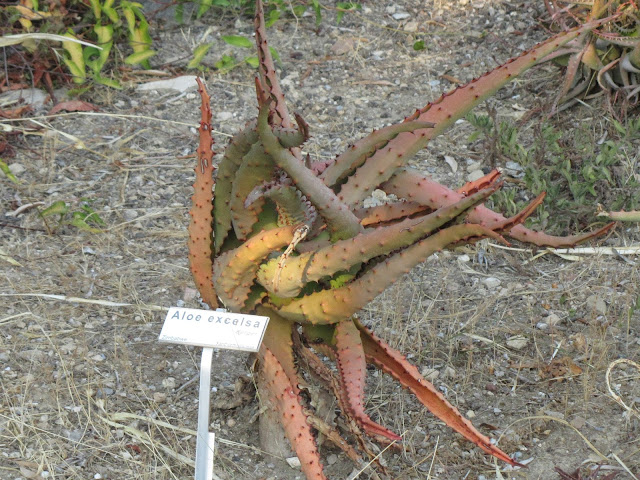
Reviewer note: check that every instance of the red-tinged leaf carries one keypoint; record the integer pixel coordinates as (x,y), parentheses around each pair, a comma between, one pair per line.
(17,112)
(396,365)
(413,185)
(200,228)
(282,395)
(353,370)
(73,106)
(472,187)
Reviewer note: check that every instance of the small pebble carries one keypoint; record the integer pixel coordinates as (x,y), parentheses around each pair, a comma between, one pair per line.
(553,319)
(294,462)
(17,168)
(130,214)
(491,282)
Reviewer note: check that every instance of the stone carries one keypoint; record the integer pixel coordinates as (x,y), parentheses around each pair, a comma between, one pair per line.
(596,302)
(475,175)
(491,282)
(179,84)
(17,168)
(517,342)
(294,462)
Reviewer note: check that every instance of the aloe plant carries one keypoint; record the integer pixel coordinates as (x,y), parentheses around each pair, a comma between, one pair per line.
(288,238)
(607,60)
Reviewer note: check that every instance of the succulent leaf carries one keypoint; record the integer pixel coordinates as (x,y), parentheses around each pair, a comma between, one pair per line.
(412,185)
(234,271)
(238,147)
(396,365)
(333,306)
(388,212)
(201,228)
(342,255)
(256,168)
(353,368)
(360,151)
(282,394)
(341,222)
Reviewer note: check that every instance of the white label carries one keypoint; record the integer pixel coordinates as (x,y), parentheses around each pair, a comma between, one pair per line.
(207,328)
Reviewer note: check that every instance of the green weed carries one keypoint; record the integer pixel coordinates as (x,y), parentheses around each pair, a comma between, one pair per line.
(83,217)
(574,167)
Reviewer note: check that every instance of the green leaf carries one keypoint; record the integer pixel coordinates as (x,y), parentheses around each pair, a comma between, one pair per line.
(58,207)
(107,82)
(419,45)
(96,8)
(203,7)
(139,57)
(78,221)
(226,63)
(198,55)
(253,61)
(273,17)
(74,59)
(179,12)
(318,10)
(237,41)
(344,7)
(274,54)
(92,215)
(4,168)
(111,13)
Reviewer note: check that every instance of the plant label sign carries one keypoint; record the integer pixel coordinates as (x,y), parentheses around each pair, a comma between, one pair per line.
(207,328)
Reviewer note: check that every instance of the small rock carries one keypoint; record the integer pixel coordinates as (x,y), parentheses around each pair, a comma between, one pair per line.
(514,169)
(553,319)
(491,387)
(473,166)
(470,414)
(411,26)
(180,84)
(491,282)
(429,373)
(497,411)
(99,357)
(331,459)
(169,383)
(517,342)
(451,162)
(104,392)
(595,302)
(464,258)
(475,175)
(448,372)
(130,214)
(224,116)
(542,326)
(231,423)
(578,423)
(401,16)
(159,397)
(294,462)
(17,168)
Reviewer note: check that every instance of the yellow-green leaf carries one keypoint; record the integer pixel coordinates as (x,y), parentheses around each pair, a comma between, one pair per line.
(139,57)
(4,168)
(198,55)
(58,207)
(237,41)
